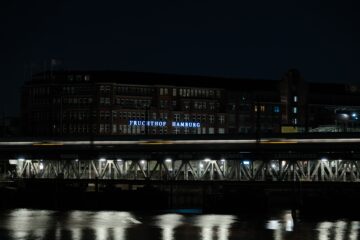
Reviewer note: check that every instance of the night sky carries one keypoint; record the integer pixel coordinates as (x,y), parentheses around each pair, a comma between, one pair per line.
(248,39)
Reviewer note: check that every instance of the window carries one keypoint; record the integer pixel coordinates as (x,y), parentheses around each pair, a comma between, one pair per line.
(294,109)
(186,117)
(204,130)
(211,130)
(211,118)
(295,98)
(221,130)
(176,130)
(262,108)
(174,92)
(176,117)
(161,91)
(276,109)
(222,119)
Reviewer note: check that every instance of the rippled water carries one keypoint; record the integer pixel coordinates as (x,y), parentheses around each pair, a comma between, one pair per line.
(105,225)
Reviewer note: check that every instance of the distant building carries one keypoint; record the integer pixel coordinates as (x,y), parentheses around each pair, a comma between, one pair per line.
(96,103)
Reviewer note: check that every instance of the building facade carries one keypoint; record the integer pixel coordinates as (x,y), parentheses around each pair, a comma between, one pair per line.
(130,103)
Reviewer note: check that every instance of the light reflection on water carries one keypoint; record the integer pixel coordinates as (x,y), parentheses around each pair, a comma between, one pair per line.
(24,224)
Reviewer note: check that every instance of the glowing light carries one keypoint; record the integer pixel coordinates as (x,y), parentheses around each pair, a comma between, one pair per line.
(119,160)
(168,160)
(324,159)
(207,159)
(201,165)
(102,159)
(13,161)
(41,166)
(142,161)
(246,162)
(21,159)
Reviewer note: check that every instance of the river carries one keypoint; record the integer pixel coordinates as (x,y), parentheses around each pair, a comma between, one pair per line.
(27,224)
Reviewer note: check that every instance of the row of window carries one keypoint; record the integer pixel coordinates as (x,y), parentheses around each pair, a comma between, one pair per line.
(105,115)
(78,100)
(127,129)
(262,108)
(38,91)
(125,90)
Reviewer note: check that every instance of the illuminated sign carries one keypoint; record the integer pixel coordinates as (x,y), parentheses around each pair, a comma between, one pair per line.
(163,124)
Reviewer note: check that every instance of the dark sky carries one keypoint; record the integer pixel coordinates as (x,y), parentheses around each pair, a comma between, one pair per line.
(250,39)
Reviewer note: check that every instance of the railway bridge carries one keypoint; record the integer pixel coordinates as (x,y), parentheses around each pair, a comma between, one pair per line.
(314,157)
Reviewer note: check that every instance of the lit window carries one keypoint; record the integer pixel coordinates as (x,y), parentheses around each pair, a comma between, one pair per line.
(294,109)
(174,92)
(262,108)
(255,108)
(276,109)
(211,130)
(222,119)
(295,98)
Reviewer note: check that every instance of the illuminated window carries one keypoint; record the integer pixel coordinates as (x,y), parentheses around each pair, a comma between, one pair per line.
(177,117)
(295,98)
(294,109)
(204,130)
(262,108)
(222,119)
(276,109)
(221,130)
(211,118)
(174,92)
(211,130)
(255,108)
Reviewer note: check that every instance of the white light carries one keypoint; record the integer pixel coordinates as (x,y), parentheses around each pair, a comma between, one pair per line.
(102,159)
(142,161)
(168,160)
(119,160)
(222,160)
(201,165)
(246,162)
(273,165)
(21,159)
(207,159)
(41,166)
(13,161)
(76,160)
(353,114)
(324,159)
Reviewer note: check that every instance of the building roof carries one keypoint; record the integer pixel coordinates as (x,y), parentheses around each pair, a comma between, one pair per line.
(146,78)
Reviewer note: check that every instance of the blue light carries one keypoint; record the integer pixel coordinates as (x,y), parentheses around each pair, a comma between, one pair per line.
(246,162)
(276,109)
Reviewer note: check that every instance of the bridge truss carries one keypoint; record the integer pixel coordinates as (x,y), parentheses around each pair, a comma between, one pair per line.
(207,169)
